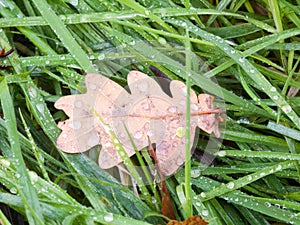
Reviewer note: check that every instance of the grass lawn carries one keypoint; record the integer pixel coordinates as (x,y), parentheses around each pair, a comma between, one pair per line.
(244,53)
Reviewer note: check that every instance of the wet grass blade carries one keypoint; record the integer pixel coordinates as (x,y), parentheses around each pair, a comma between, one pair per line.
(28,193)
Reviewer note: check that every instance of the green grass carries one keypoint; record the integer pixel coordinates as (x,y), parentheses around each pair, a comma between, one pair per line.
(249,61)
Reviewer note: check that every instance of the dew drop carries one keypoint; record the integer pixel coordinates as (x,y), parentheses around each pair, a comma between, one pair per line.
(93,86)
(40,108)
(75,125)
(33,176)
(5,162)
(230,185)
(93,140)
(132,42)
(150,133)
(194,107)
(145,106)
(279,167)
(162,41)
(221,153)
(108,217)
(184,91)
(107,144)
(243,120)
(205,212)
(179,161)
(73,2)
(180,132)
(32,92)
(241,60)
(268,204)
(203,195)
(101,57)
(273,89)
(195,173)
(286,108)
(154,200)
(277,205)
(172,109)
(78,104)
(138,135)
(143,86)
(13,190)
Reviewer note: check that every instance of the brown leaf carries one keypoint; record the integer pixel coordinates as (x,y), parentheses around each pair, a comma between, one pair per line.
(145,111)
(194,220)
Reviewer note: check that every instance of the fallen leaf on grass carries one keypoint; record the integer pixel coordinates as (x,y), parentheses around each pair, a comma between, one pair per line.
(145,111)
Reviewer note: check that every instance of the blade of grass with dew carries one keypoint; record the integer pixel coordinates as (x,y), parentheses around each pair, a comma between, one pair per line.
(137,7)
(257,204)
(220,7)
(27,149)
(35,100)
(286,131)
(182,198)
(187,164)
(258,154)
(29,195)
(253,45)
(64,35)
(37,154)
(144,169)
(234,135)
(233,185)
(254,96)
(95,17)
(229,216)
(3,219)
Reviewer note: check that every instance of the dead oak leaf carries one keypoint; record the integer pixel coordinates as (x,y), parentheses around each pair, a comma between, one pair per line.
(146,111)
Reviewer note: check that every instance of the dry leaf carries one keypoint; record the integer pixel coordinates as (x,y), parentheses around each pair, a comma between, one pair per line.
(145,111)
(194,220)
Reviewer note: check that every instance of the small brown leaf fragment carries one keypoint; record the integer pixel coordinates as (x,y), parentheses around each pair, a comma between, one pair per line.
(194,220)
